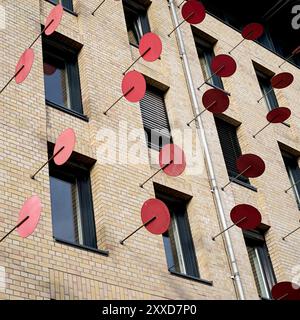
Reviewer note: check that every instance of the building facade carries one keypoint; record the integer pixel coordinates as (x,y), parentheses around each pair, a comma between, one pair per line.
(93,201)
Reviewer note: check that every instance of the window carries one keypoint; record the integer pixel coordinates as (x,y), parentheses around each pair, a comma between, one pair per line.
(205,50)
(230,148)
(260,262)
(136,19)
(155,118)
(67,4)
(293,171)
(178,242)
(264,81)
(61,73)
(72,205)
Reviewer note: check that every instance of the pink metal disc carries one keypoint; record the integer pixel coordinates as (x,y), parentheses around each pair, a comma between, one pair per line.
(193,12)
(135,82)
(215,101)
(253,31)
(66,140)
(255,164)
(223,65)
(286,291)
(282,80)
(250,215)
(150,47)
(278,115)
(31,208)
(156,208)
(171,152)
(53,20)
(25,61)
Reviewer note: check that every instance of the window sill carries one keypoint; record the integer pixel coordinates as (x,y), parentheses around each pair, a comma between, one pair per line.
(82,247)
(65,9)
(184,276)
(243,184)
(68,111)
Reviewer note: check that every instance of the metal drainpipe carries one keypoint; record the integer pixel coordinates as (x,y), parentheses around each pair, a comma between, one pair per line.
(210,167)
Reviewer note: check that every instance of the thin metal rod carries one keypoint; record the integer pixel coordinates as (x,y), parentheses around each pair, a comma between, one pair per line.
(287,60)
(93,13)
(214,74)
(141,56)
(241,220)
(182,22)
(236,46)
(239,175)
(17,226)
(286,191)
(290,233)
(282,297)
(139,228)
(124,95)
(36,39)
(12,78)
(212,104)
(254,136)
(157,172)
(216,87)
(54,155)
(181,3)
(258,101)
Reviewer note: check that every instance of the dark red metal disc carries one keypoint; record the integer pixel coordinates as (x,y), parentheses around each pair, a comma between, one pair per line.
(223,65)
(31,208)
(255,164)
(193,12)
(66,139)
(251,216)
(26,60)
(286,291)
(282,80)
(215,101)
(296,51)
(171,152)
(53,20)
(279,115)
(253,31)
(135,80)
(156,208)
(152,45)
(49,69)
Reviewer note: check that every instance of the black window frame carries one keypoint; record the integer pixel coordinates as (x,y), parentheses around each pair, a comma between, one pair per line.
(293,172)
(60,47)
(256,238)
(77,169)
(162,134)
(140,11)
(68,5)
(233,153)
(178,206)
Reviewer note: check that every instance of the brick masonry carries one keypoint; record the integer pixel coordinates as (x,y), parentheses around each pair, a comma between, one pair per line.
(38,267)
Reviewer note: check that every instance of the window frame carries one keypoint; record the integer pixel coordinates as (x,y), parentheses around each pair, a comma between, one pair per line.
(69,9)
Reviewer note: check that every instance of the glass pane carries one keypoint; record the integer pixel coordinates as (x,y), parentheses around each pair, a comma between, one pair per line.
(65,210)
(68,4)
(56,81)
(258,273)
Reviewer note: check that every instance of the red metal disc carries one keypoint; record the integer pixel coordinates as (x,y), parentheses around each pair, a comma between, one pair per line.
(296,51)
(171,152)
(135,80)
(253,31)
(25,60)
(255,164)
(66,139)
(54,18)
(193,12)
(282,80)
(215,101)
(151,42)
(251,216)
(278,115)
(223,65)
(31,208)
(156,208)
(286,291)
